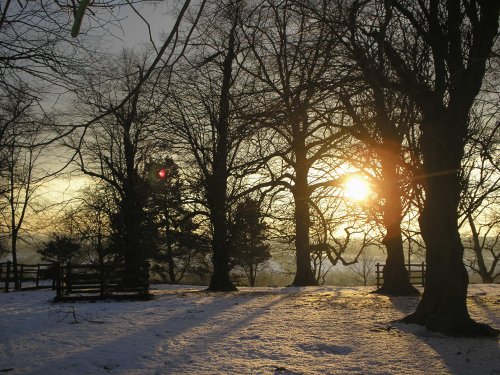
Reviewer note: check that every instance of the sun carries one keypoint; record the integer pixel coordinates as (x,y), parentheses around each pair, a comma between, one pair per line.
(356,188)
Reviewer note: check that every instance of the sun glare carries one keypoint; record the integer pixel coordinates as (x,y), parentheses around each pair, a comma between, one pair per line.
(356,188)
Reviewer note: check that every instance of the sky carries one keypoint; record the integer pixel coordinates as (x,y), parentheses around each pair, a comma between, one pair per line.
(130,33)
(133,30)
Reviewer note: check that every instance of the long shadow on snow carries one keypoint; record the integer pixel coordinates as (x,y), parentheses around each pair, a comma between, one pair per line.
(154,333)
(458,353)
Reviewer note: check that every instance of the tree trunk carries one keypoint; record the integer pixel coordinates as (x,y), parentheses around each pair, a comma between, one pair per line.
(171,265)
(99,249)
(133,258)
(217,184)
(252,274)
(133,211)
(17,284)
(443,306)
(14,227)
(459,55)
(304,275)
(220,280)
(396,278)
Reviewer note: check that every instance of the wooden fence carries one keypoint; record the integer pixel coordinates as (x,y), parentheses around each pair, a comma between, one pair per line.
(101,280)
(30,276)
(416,273)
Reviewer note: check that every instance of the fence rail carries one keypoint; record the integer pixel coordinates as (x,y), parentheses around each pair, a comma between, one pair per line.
(101,280)
(416,273)
(33,274)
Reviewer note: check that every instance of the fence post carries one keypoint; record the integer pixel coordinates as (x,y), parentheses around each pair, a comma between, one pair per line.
(102,277)
(59,275)
(423,274)
(7,277)
(37,275)
(68,278)
(378,275)
(55,275)
(21,276)
(146,275)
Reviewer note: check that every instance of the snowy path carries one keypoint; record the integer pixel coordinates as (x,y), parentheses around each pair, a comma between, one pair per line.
(325,330)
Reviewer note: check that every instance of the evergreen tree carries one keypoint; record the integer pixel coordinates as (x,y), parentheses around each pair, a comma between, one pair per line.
(248,249)
(60,248)
(181,248)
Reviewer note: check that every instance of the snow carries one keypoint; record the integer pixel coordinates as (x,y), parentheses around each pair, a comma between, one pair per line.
(185,330)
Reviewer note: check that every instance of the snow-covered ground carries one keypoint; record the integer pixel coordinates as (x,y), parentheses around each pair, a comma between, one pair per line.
(184,330)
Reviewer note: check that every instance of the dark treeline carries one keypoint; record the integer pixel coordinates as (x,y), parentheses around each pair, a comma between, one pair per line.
(253,124)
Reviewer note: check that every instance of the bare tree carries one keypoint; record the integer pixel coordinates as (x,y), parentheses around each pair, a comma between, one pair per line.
(205,121)
(484,241)
(341,232)
(380,119)
(290,60)
(21,131)
(35,43)
(480,184)
(116,149)
(365,268)
(459,37)
(89,220)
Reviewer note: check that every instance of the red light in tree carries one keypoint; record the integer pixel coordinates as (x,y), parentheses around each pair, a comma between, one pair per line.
(162,173)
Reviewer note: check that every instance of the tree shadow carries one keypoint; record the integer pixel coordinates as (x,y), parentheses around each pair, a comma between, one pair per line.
(458,353)
(151,339)
(405,305)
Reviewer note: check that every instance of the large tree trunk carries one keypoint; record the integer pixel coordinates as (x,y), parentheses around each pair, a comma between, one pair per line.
(220,280)
(443,306)
(132,216)
(459,55)
(304,275)
(396,278)
(132,254)
(217,194)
